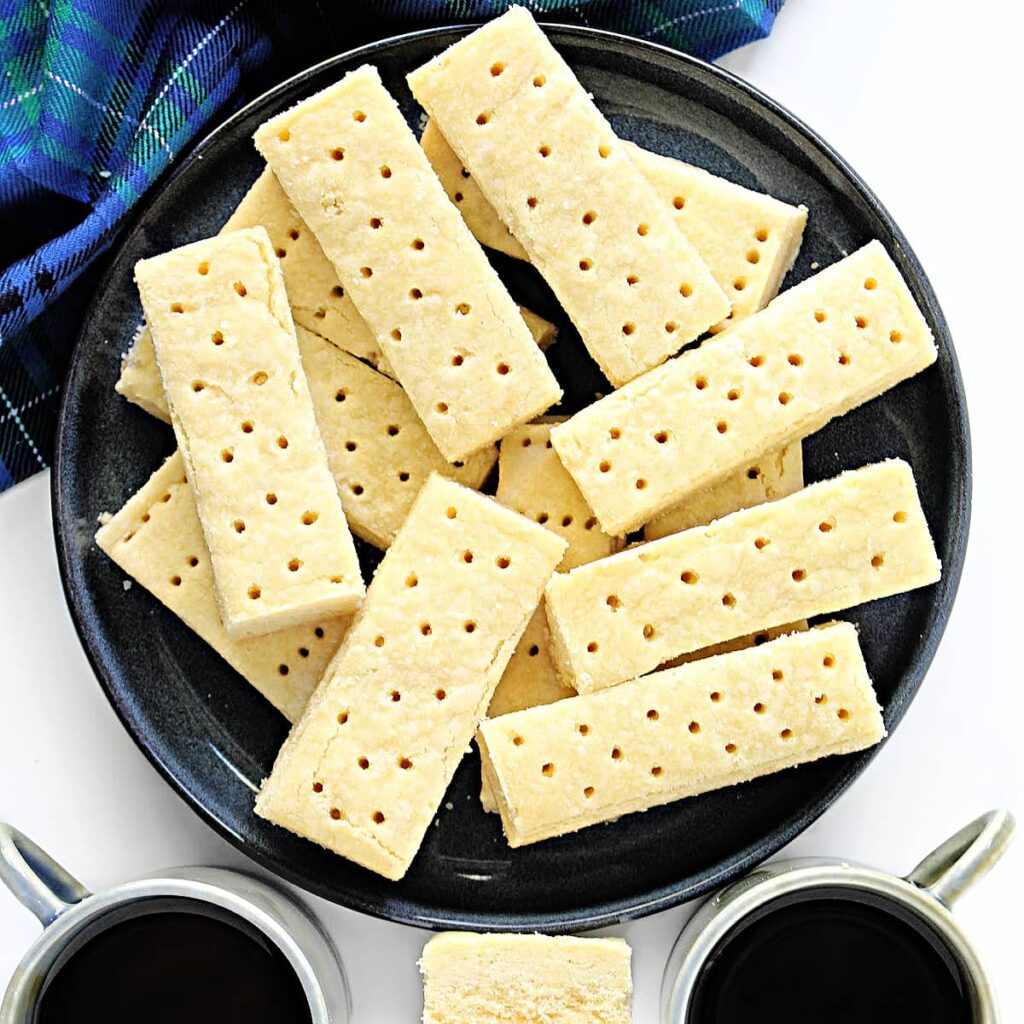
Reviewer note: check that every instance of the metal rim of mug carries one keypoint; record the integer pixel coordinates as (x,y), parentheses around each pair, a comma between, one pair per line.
(928,891)
(67,910)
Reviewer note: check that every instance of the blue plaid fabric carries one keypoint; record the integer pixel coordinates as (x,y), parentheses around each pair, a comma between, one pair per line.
(98,97)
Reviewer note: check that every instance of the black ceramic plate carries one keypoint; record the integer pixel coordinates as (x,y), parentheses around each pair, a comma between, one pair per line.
(214,737)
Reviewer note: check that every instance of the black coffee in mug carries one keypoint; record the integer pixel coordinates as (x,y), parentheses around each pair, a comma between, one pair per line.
(841,956)
(175,961)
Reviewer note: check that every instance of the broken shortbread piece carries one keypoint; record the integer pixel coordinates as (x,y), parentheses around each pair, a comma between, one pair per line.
(157,540)
(748,239)
(366,766)
(820,349)
(768,478)
(827,547)
(688,730)
(503,979)
(450,331)
(280,548)
(378,450)
(548,162)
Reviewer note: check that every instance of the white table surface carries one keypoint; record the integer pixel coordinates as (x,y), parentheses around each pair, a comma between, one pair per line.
(921,97)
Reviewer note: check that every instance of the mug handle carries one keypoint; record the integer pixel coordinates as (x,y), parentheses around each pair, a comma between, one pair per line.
(952,868)
(35,878)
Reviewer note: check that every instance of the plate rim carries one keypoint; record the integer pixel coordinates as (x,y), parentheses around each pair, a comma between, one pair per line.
(410,911)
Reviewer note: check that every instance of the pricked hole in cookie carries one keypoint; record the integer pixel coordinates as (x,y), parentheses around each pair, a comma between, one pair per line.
(653,715)
(843,713)
(467,556)
(548,769)
(280,253)
(590,523)
(217,338)
(385,171)
(241,289)
(899,517)
(357,489)
(730,748)
(203,268)
(197,386)
(785,398)
(733,394)
(518,740)
(497,68)
(533,651)
(714,697)
(531,202)
(632,279)
(826,526)
(753,256)
(318,787)
(729,601)
(686,290)
(829,661)
(671,327)
(761,234)
(145,517)
(440,694)
(425,629)
(227,455)
(309,518)
(642,229)
(376,223)
(283,135)
(700,383)
(694,727)
(877,561)
(254,593)
(756,361)
(679,202)
(861,322)
(586,264)
(753,472)
(689,577)
(592,647)
(293,234)
(895,337)
(588,791)
(340,395)
(358,115)
(641,484)
(777,675)
(483,118)
(739,284)
(415,294)
(247,426)
(604,151)
(469,627)
(545,151)
(661,436)
(412,580)
(759,708)
(657,770)
(721,426)
(378,641)
(761,543)
(404,763)
(239,525)
(799,575)
(870,284)
(335,814)
(822,698)
(589,217)
(366,271)
(820,315)
(378,817)
(457,360)
(567,520)
(503,561)
(403,476)
(795,359)
(844,359)
(283,669)
(605,466)
(337,153)
(364,763)
(649,632)
(539,81)
(193,561)
(458,197)
(303,652)
(394,694)
(451,513)
(628,328)
(504,369)
(786,734)
(175,581)
(294,564)
(441,407)
(616,754)
(319,632)
(336,579)
(177,307)
(543,518)
(350,446)
(583,729)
